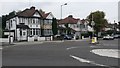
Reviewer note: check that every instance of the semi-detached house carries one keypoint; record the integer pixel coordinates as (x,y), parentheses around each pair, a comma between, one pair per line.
(71,25)
(29,23)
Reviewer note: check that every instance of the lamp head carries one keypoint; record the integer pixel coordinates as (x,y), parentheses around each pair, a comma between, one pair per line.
(65,4)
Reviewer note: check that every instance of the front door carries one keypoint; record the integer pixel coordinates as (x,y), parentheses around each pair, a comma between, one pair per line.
(24,34)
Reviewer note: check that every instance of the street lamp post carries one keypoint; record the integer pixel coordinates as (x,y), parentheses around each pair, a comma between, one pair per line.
(92,23)
(61,9)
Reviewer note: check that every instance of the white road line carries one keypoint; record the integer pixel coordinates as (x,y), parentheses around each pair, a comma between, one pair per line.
(87,61)
(71,48)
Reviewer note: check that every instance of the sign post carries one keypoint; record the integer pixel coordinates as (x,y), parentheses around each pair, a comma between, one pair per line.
(93,38)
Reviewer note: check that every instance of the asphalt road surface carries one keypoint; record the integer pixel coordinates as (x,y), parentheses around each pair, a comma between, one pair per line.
(66,53)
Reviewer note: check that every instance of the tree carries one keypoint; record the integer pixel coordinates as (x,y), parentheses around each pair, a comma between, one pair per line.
(99,18)
(119,25)
(54,26)
(1,27)
(6,17)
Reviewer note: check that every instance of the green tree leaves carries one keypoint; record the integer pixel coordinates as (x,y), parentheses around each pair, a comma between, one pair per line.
(99,18)
(54,26)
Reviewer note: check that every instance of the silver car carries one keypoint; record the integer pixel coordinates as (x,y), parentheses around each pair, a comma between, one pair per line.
(108,37)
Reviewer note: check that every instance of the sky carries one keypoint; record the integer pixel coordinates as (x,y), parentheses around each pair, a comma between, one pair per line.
(78,8)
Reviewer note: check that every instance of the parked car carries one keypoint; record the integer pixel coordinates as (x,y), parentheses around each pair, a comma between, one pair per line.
(117,36)
(57,37)
(67,37)
(77,37)
(108,37)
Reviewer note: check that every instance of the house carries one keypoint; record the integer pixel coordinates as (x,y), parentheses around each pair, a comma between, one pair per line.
(70,25)
(29,23)
(46,25)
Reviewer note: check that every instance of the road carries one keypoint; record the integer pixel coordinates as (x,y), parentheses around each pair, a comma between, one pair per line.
(66,53)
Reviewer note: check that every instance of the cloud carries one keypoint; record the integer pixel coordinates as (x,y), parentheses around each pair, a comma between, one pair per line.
(77,9)
(59,0)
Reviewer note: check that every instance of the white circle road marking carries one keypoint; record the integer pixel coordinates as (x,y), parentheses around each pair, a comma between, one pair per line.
(86,61)
(107,52)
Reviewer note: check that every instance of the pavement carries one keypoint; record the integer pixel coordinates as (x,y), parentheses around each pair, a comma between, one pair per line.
(37,42)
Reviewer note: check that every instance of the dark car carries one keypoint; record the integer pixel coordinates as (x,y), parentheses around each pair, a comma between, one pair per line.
(67,37)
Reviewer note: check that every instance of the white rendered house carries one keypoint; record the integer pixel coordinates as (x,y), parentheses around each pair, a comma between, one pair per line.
(29,22)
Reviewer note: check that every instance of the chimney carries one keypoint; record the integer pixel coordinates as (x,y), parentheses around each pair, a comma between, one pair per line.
(32,7)
(70,16)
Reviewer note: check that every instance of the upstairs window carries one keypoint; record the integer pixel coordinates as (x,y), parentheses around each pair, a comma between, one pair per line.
(33,21)
(10,23)
(19,20)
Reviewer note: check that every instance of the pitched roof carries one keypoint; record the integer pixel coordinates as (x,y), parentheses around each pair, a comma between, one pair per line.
(44,15)
(69,20)
(27,12)
(30,12)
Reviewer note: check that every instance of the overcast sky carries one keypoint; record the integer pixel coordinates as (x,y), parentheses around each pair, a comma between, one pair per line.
(78,8)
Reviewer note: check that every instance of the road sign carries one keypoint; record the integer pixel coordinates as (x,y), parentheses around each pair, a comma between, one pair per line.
(92,23)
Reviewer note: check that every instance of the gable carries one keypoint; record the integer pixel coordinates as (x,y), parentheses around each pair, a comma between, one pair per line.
(36,14)
(79,22)
(50,16)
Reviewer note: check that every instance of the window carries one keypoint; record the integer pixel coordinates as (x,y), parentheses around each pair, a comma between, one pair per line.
(41,22)
(20,32)
(28,21)
(81,26)
(46,21)
(30,25)
(24,33)
(19,20)
(11,23)
(37,21)
(77,26)
(45,32)
(22,20)
(33,31)
(36,25)
(37,30)
(30,31)
(33,21)
(50,21)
